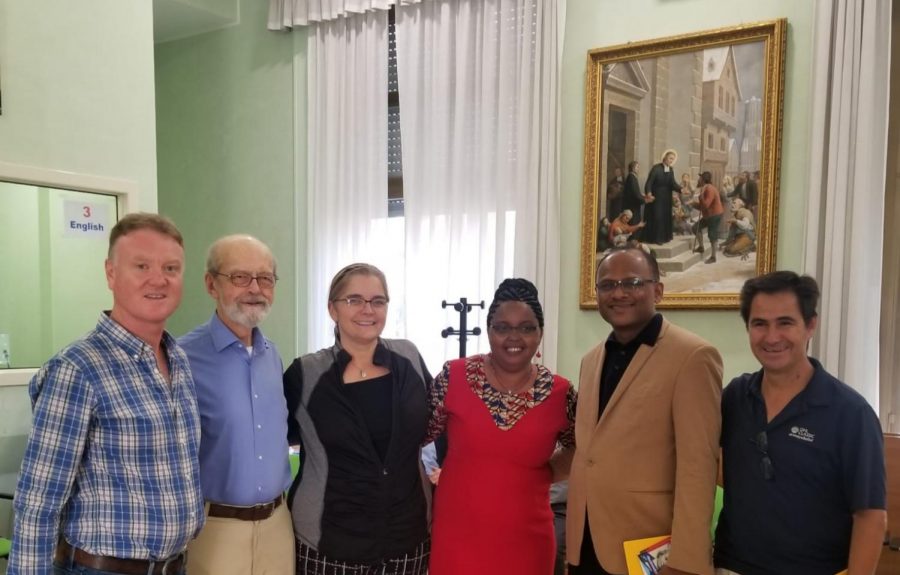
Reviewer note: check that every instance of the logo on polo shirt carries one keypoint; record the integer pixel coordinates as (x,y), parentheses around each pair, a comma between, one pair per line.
(802,434)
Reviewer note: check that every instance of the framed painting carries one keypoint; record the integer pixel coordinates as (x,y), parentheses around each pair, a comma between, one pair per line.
(682,153)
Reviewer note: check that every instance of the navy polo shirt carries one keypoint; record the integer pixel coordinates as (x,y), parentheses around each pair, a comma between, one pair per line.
(827,454)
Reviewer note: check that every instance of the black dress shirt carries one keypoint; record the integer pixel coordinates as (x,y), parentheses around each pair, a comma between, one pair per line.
(619,356)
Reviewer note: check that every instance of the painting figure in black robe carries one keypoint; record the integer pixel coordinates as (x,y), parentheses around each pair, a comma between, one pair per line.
(660,186)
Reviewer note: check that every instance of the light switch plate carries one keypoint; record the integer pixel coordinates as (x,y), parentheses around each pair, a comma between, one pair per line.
(4,350)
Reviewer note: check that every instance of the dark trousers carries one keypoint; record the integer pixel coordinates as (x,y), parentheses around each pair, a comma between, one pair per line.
(559,530)
(589,564)
(711,223)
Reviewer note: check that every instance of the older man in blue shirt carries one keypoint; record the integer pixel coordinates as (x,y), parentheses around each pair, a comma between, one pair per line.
(244,467)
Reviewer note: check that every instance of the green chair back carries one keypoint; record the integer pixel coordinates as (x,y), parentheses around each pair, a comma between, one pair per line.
(720,500)
(5,546)
(295,464)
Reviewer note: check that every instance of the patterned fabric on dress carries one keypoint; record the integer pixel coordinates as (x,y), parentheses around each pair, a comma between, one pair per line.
(505,408)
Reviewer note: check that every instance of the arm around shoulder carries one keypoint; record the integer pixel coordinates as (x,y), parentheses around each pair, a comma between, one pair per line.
(437,391)
(293,390)
(561,460)
(561,463)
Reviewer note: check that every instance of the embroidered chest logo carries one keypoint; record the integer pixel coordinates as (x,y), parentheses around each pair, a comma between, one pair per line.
(802,434)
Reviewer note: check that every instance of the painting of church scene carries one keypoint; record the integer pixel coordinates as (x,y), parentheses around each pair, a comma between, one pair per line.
(679,166)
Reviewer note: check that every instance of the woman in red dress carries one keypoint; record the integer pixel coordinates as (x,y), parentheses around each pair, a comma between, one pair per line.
(504,417)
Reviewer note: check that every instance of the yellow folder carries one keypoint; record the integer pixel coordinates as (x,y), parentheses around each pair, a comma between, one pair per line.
(647,556)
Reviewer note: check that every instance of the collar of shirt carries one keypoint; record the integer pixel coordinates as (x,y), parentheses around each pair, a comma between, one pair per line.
(130,343)
(818,392)
(647,336)
(223,337)
(381,356)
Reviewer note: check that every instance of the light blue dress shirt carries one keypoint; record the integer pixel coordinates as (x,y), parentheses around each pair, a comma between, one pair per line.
(243,415)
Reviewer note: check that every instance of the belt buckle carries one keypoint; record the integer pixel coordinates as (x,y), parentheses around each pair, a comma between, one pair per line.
(267,508)
(262,512)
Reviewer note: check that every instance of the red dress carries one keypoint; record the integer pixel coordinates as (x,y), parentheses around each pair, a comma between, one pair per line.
(492,510)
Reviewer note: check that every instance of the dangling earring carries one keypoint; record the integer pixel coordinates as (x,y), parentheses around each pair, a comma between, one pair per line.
(538,354)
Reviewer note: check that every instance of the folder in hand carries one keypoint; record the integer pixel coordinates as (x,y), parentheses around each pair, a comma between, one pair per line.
(647,556)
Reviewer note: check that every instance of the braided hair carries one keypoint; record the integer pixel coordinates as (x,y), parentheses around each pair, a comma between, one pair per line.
(517,289)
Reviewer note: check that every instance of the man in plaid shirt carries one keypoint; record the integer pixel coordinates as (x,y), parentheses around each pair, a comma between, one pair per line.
(110,482)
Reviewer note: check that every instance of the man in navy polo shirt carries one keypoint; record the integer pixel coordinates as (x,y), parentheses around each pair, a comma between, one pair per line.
(802,452)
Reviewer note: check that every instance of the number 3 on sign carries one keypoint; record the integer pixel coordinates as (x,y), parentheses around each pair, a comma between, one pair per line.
(86,211)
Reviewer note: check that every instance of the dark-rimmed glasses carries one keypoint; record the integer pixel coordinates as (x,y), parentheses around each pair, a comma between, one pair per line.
(358,302)
(628,285)
(244,279)
(761,441)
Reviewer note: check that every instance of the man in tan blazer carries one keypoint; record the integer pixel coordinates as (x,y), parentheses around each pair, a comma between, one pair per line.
(646,430)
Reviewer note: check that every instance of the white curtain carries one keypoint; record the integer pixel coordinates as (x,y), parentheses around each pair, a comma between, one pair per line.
(347,156)
(285,14)
(846,185)
(479,87)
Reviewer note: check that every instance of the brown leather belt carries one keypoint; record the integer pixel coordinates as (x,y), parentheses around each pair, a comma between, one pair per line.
(255,513)
(170,566)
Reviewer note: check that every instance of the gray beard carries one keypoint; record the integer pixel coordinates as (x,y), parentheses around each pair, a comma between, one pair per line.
(248,320)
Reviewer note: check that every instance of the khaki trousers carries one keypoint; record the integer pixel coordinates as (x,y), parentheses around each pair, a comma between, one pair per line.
(236,547)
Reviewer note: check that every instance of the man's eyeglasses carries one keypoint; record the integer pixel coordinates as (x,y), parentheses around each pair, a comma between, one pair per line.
(357,302)
(628,285)
(244,279)
(506,329)
(761,441)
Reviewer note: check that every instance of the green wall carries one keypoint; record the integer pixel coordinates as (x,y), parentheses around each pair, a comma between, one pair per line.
(226,150)
(20,250)
(597,23)
(77,87)
(58,286)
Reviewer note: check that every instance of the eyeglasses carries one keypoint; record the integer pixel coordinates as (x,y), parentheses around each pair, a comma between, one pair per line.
(761,441)
(628,285)
(244,279)
(506,329)
(378,303)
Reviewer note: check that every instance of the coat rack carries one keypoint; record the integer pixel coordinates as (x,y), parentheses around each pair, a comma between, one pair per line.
(463,307)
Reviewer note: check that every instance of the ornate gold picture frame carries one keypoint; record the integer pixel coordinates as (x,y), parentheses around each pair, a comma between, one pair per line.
(715,98)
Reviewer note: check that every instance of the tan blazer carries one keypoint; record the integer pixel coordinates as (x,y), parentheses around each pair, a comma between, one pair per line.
(648,467)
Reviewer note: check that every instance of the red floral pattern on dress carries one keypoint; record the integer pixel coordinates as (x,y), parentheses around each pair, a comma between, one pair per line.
(506,408)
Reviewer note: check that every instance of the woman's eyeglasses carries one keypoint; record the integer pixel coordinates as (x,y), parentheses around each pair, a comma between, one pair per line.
(358,302)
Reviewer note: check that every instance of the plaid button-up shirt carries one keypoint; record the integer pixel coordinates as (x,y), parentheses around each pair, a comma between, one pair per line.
(111,463)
